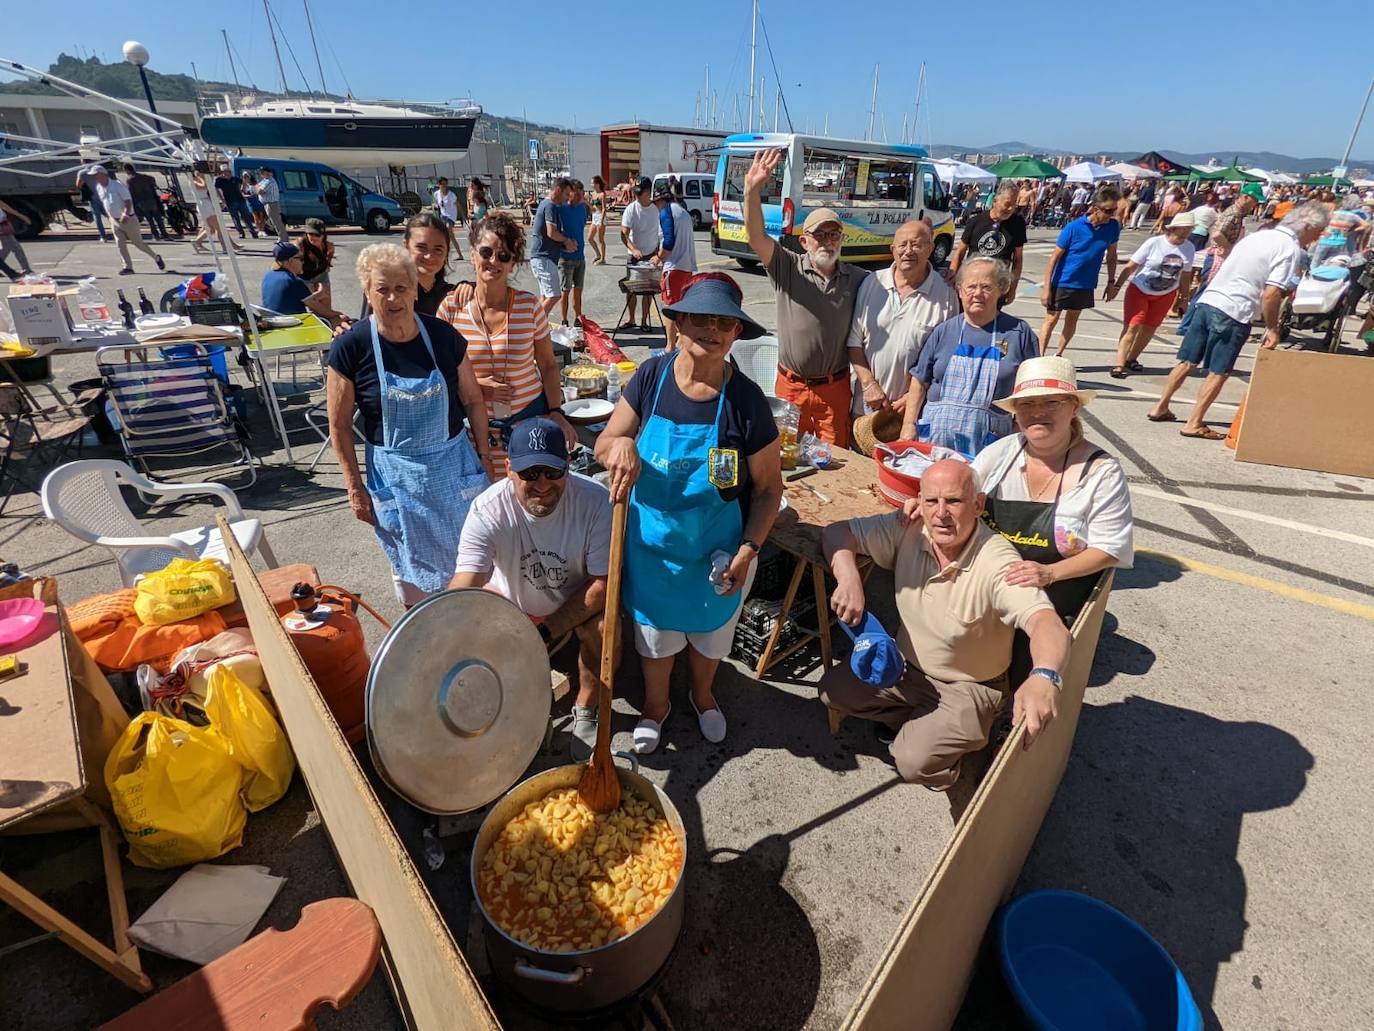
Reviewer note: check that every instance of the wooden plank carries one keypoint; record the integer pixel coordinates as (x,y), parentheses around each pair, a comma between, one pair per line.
(434,983)
(26,903)
(921,980)
(1310,410)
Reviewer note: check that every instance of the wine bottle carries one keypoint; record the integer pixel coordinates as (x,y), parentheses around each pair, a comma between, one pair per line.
(126,309)
(145,306)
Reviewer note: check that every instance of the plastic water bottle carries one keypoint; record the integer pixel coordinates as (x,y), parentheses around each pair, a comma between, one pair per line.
(613,384)
(95,310)
(720,562)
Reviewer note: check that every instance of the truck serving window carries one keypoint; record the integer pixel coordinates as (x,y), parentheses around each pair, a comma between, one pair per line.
(883,183)
(823,177)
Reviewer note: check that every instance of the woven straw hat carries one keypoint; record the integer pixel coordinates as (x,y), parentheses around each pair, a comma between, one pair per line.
(883,426)
(1037,377)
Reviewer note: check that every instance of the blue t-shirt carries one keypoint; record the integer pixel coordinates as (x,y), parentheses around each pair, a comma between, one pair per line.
(542,245)
(1084,246)
(572,220)
(284,293)
(746,421)
(1019,339)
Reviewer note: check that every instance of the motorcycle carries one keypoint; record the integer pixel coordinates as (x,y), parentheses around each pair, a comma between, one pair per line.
(181,217)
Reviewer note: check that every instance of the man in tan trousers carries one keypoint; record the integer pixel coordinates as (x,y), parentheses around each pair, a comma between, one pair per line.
(958,615)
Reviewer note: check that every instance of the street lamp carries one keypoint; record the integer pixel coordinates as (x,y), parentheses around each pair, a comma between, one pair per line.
(137,55)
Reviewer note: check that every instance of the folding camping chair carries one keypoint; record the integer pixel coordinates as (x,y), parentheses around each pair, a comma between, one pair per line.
(31,438)
(170,407)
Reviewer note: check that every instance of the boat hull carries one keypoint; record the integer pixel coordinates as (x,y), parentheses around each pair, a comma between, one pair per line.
(361,142)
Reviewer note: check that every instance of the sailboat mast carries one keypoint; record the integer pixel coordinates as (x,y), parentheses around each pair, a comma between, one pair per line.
(319,65)
(873,107)
(281,72)
(229,51)
(753,54)
(916,116)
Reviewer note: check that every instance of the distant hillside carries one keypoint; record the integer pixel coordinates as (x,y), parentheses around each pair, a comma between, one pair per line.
(121,81)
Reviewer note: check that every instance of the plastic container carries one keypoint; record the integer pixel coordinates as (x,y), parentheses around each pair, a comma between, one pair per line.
(91,303)
(613,384)
(217,353)
(1076,964)
(787,416)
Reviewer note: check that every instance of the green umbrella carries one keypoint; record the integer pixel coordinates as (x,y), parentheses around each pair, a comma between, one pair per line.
(1233,174)
(1326,180)
(1025,168)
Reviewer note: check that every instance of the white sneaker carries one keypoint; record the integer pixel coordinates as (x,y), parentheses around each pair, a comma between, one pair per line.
(711,722)
(647,733)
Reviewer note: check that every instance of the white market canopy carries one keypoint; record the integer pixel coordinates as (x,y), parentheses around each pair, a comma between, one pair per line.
(1129,171)
(1277,178)
(960,173)
(1090,172)
(1362,183)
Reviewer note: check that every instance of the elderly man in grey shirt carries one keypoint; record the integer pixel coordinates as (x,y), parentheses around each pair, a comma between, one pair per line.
(815,295)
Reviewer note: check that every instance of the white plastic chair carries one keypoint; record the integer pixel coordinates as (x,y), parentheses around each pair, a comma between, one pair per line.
(758,359)
(84,499)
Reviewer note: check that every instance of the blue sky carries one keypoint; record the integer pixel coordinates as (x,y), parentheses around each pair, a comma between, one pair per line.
(1088,77)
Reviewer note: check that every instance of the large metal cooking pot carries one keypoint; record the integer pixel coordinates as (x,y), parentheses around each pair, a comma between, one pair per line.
(588,980)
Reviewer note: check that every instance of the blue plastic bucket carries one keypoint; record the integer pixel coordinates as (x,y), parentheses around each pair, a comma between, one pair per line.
(217,353)
(1076,964)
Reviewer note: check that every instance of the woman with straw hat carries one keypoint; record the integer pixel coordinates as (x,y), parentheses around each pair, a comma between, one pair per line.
(1058,498)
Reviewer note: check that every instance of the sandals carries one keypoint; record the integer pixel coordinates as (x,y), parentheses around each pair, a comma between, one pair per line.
(1135,366)
(1166,417)
(1118,373)
(1206,433)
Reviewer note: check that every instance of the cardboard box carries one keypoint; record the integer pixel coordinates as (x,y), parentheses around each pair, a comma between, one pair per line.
(40,314)
(1310,410)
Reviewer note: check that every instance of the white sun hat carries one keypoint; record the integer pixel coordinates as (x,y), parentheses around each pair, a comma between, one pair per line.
(1042,377)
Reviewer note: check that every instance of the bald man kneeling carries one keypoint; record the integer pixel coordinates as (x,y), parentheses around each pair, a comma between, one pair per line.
(958,615)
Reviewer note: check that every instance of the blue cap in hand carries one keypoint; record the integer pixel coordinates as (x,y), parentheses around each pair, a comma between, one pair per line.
(875,660)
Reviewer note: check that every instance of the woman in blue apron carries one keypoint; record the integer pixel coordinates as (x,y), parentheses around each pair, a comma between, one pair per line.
(1060,500)
(408,377)
(966,363)
(693,446)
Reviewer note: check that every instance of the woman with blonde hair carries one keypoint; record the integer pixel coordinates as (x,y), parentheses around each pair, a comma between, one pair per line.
(409,377)
(1057,497)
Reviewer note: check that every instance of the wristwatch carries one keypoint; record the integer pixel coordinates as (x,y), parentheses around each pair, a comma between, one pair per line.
(747,543)
(1052,676)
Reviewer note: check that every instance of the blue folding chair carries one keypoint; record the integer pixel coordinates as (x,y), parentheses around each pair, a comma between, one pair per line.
(170,407)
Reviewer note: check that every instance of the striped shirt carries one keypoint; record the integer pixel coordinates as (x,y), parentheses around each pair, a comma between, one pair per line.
(506,355)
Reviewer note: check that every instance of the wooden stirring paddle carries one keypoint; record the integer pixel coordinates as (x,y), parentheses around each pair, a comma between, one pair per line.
(599,788)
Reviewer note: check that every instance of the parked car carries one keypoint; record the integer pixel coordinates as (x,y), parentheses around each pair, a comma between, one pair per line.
(312,190)
(696,193)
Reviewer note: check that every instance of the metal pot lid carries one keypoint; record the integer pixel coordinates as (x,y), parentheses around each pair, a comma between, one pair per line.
(457,700)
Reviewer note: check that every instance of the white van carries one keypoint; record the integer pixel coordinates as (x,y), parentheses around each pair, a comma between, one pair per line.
(873,187)
(696,194)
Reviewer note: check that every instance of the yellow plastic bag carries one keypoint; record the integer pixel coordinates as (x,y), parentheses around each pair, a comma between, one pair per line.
(181,590)
(242,716)
(175,790)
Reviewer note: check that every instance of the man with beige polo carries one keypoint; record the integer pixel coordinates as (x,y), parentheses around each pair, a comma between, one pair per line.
(958,615)
(815,296)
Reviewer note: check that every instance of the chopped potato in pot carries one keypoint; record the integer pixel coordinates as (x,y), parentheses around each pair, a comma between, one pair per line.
(562,878)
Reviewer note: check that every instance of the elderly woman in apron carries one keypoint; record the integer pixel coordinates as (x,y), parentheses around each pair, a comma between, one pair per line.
(968,362)
(1059,499)
(408,377)
(693,446)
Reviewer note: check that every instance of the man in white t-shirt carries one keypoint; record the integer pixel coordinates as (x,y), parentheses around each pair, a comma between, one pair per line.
(640,232)
(894,312)
(119,208)
(542,538)
(1257,275)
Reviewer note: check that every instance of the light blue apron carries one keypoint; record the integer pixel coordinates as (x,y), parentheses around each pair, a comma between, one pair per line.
(963,418)
(676,519)
(421,482)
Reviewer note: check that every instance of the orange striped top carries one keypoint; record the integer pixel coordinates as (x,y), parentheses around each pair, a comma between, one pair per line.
(508,354)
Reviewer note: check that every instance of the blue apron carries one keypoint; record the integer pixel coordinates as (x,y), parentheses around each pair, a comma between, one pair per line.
(963,418)
(421,482)
(676,519)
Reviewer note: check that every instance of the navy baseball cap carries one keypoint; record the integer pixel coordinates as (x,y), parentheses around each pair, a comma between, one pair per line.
(876,659)
(537,442)
(284,251)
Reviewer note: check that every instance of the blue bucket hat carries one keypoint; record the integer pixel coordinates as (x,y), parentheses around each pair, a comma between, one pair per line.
(875,660)
(714,293)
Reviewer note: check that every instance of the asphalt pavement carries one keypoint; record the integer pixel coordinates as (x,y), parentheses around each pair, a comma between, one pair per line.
(1218,790)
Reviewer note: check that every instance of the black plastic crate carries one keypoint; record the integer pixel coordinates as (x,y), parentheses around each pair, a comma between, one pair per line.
(218,312)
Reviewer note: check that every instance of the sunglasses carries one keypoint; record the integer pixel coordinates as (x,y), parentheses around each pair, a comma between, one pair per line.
(488,253)
(535,472)
(827,235)
(698,321)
